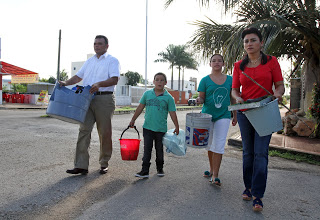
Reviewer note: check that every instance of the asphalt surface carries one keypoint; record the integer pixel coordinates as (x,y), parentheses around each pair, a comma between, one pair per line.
(36,151)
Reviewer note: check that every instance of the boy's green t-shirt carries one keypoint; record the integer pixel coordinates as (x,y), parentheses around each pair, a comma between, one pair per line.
(157,108)
(217,97)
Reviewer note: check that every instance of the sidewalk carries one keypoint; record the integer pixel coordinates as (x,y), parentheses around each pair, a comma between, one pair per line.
(22,106)
(286,143)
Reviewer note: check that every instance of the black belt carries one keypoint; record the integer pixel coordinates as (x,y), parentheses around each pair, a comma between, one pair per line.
(103,93)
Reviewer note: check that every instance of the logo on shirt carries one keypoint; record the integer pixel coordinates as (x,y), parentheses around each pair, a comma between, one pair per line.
(219,96)
(161,105)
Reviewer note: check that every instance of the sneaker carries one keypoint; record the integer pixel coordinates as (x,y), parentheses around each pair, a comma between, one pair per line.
(160,172)
(143,174)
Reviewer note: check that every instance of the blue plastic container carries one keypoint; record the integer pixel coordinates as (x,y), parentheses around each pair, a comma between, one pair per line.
(66,105)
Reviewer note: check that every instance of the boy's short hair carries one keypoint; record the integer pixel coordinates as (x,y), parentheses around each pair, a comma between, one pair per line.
(161,74)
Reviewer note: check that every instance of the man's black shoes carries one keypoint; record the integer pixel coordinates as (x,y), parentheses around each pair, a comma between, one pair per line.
(77,171)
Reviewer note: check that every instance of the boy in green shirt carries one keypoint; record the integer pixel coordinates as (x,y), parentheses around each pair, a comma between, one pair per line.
(158,103)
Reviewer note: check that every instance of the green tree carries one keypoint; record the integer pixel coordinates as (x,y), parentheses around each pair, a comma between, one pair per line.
(63,75)
(181,57)
(290,29)
(21,88)
(188,63)
(52,80)
(133,78)
(168,56)
(177,55)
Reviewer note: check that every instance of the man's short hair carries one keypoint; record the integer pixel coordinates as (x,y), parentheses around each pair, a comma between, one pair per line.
(104,37)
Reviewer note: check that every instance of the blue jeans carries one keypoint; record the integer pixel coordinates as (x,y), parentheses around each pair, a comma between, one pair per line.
(150,136)
(255,157)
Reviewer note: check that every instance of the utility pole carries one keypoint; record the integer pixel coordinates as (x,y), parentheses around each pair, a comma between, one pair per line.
(58,70)
(146,64)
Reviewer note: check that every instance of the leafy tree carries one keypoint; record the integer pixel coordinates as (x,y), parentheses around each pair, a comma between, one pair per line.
(188,63)
(290,29)
(52,80)
(314,109)
(168,56)
(181,57)
(21,88)
(178,56)
(133,78)
(63,75)
(5,89)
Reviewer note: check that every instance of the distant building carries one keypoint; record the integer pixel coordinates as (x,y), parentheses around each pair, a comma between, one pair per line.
(189,86)
(75,66)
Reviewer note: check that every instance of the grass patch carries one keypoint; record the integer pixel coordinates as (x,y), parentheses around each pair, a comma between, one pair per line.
(188,107)
(298,157)
(125,108)
(44,116)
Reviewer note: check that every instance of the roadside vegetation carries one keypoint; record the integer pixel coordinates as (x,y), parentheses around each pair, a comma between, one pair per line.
(298,157)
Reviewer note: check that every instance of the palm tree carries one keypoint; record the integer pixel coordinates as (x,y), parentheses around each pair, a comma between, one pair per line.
(168,56)
(188,63)
(181,58)
(177,56)
(290,28)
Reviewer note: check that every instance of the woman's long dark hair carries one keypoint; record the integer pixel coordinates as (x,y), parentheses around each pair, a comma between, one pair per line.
(264,58)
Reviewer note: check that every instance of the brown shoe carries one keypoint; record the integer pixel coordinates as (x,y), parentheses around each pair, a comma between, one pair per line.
(103,170)
(77,171)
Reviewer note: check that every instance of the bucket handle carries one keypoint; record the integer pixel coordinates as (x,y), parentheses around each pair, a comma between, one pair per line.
(135,128)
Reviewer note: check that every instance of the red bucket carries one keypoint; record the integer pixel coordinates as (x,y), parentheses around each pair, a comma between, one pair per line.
(129,147)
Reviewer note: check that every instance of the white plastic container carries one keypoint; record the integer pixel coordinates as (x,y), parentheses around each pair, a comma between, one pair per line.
(197,129)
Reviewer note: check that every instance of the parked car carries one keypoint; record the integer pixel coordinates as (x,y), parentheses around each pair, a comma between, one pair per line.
(192,102)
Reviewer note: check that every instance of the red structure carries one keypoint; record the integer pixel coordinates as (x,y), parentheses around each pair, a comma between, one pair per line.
(9,69)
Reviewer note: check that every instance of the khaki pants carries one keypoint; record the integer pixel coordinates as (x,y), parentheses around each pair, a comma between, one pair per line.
(100,112)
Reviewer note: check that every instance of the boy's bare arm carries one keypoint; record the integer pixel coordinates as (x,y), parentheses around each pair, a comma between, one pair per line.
(174,118)
(136,114)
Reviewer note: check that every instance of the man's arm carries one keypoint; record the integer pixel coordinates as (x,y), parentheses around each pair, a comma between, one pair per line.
(73,80)
(106,83)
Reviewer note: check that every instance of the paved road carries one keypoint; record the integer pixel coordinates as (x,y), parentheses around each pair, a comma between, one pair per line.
(36,151)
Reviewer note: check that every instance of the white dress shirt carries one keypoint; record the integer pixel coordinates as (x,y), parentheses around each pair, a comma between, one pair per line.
(95,70)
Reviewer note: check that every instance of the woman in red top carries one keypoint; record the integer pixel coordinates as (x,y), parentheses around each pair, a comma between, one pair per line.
(265,70)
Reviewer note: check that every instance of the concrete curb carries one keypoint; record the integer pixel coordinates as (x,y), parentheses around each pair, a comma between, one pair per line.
(236,142)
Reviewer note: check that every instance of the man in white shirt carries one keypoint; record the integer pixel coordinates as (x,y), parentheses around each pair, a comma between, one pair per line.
(102,73)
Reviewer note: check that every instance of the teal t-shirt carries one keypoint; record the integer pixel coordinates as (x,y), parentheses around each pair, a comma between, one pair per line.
(157,109)
(217,97)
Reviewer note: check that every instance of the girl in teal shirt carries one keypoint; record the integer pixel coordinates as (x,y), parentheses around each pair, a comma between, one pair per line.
(215,95)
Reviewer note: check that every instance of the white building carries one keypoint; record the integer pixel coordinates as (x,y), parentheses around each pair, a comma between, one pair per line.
(188,86)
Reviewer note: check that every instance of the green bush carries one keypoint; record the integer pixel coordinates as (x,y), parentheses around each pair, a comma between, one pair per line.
(196,95)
